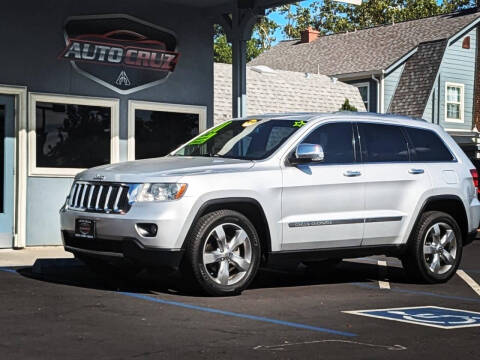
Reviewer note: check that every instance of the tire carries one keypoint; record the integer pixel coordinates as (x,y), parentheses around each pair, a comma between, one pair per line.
(221,271)
(434,248)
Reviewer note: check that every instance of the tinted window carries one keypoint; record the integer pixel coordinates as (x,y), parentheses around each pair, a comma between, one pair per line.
(383,143)
(427,146)
(336,140)
(72,136)
(157,133)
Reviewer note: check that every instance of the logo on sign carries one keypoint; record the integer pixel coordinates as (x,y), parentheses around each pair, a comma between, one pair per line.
(99,46)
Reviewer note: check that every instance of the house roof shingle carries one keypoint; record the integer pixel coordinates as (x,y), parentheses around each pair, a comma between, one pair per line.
(282,91)
(370,49)
(417,79)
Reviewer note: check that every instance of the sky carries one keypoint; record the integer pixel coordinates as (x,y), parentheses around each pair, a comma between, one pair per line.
(279,19)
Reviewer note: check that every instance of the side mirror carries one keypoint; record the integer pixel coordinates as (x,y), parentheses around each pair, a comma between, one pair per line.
(308,153)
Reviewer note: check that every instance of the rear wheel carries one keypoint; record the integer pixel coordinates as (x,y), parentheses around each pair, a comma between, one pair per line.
(435,248)
(223,253)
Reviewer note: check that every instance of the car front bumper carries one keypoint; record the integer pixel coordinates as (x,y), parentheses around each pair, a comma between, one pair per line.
(122,250)
(117,238)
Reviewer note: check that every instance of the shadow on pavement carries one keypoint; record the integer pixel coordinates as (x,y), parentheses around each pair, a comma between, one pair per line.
(72,272)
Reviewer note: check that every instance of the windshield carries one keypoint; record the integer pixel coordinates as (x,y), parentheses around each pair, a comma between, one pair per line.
(242,139)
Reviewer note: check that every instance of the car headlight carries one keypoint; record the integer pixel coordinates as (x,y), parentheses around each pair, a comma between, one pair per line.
(161,192)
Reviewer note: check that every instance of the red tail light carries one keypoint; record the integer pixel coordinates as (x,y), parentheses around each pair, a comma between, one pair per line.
(474,173)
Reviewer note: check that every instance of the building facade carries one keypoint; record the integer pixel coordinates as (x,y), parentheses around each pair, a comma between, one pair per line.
(97,82)
(423,68)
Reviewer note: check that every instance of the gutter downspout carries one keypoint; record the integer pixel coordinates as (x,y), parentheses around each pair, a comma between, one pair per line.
(379,93)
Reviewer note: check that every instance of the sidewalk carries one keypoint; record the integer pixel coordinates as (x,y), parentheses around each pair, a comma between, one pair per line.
(28,256)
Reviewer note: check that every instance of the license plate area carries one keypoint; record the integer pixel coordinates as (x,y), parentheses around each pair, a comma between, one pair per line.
(85,228)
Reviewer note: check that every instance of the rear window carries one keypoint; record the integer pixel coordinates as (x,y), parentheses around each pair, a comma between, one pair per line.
(382,143)
(427,146)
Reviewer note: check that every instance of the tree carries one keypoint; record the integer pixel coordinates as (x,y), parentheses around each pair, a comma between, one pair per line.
(346,106)
(329,16)
(262,39)
(298,18)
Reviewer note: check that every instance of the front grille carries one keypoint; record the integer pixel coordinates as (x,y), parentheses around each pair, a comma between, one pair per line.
(102,197)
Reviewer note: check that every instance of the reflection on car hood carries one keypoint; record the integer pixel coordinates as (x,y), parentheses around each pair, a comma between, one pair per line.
(170,166)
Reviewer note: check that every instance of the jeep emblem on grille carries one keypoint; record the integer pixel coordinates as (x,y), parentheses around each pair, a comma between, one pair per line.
(99,177)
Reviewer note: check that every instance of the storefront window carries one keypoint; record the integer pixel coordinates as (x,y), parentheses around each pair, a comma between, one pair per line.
(157,133)
(68,134)
(157,129)
(72,136)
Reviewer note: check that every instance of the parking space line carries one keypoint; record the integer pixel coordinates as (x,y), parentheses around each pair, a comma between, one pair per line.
(382,272)
(421,293)
(238,315)
(472,283)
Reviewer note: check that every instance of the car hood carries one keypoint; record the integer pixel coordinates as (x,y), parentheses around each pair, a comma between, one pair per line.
(171,167)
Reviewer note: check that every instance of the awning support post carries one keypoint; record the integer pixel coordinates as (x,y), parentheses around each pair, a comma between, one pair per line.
(239,27)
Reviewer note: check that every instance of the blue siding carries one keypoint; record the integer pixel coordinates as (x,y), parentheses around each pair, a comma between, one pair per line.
(390,84)
(45,197)
(458,66)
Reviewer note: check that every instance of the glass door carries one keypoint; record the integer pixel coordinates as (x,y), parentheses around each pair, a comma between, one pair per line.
(7,163)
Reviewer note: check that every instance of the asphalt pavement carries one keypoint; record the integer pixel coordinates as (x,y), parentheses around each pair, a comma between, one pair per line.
(58,309)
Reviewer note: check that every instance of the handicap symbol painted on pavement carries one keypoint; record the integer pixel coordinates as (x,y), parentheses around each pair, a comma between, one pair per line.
(434,316)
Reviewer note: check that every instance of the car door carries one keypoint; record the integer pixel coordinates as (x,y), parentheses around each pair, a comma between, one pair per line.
(393,183)
(323,202)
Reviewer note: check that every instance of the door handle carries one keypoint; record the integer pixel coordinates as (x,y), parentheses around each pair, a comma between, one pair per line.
(350,173)
(416,171)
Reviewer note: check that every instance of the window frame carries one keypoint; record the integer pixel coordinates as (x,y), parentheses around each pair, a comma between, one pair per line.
(461,103)
(134,105)
(367,85)
(113,104)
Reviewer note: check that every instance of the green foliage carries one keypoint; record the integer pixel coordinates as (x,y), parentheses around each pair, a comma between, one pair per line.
(346,106)
(329,16)
(261,40)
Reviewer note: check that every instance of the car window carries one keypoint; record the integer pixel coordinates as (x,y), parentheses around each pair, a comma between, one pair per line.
(242,139)
(336,140)
(427,146)
(382,143)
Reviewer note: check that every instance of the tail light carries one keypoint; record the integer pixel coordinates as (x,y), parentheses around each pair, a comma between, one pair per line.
(474,173)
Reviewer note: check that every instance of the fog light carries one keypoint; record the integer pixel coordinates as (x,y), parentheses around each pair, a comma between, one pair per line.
(147,230)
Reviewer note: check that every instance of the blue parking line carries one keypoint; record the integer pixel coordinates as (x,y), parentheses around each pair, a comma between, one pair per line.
(238,315)
(423,293)
(9,270)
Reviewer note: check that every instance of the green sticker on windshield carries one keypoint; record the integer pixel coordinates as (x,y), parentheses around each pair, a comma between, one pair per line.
(299,123)
(202,139)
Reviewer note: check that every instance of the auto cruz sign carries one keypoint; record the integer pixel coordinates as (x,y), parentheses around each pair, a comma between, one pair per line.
(120,52)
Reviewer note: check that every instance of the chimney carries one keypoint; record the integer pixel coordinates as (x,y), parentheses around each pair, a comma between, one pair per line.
(309,35)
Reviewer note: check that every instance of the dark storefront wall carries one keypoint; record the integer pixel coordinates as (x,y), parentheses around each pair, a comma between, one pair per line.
(32,35)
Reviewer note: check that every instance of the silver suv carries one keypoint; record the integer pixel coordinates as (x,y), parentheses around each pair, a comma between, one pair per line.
(262,190)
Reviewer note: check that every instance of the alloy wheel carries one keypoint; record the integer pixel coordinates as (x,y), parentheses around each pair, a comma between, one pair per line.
(440,248)
(227,254)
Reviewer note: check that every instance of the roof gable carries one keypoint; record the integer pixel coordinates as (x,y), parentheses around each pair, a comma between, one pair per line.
(368,50)
(417,79)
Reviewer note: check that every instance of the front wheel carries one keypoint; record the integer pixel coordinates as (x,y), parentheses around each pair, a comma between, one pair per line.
(435,248)
(223,253)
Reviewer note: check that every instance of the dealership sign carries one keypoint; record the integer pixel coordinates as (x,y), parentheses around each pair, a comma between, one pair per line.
(120,52)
